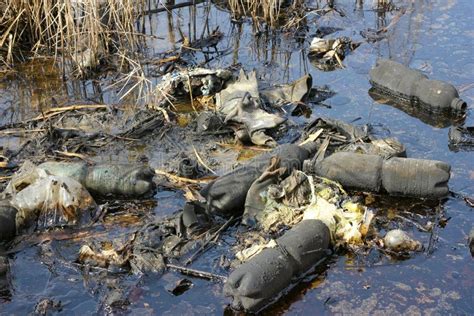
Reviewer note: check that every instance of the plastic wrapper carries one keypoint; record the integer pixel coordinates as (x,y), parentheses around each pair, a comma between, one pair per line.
(352,138)
(52,201)
(300,196)
(240,103)
(45,199)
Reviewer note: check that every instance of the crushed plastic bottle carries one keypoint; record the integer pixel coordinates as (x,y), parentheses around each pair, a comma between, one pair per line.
(51,201)
(44,200)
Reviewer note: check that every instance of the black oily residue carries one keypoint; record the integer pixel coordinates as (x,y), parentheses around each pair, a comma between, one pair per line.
(431,37)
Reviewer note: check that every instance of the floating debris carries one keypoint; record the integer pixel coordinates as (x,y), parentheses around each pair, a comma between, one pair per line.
(399,241)
(189,84)
(461,138)
(328,54)
(45,199)
(133,180)
(240,103)
(397,176)
(255,283)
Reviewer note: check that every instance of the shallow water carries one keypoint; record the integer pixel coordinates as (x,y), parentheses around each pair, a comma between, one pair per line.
(434,36)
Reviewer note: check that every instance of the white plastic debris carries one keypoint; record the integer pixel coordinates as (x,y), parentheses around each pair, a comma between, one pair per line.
(252,251)
(399,241)
(51,200)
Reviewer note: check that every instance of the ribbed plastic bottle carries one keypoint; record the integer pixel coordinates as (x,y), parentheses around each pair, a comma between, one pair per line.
(411,85)
(106,178)
(256,282)
(397,176)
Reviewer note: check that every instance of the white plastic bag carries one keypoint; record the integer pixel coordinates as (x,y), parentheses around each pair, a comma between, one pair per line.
(51,200)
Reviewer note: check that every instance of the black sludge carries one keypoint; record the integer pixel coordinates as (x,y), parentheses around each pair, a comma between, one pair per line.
(7,221)
(255,283)
(226,195)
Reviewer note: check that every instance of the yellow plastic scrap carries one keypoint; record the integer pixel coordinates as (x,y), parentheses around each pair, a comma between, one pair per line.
(348,224)
(324,211)
(326,193)
(353,207)
(276,214)
(252,251)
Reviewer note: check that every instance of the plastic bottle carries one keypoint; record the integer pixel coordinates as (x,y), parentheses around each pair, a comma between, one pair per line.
(226,194)
(396,176)
(107,178)
(256,282)
(411,85)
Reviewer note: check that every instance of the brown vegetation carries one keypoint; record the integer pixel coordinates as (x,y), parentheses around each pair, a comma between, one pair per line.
(267,11)
(81,31)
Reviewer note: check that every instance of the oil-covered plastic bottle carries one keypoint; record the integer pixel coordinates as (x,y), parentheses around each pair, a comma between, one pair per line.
(397,80)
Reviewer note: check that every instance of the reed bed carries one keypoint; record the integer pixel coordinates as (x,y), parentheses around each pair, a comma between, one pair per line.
(268,12)
(83,32)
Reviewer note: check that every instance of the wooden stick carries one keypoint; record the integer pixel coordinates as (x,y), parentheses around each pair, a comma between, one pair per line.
(423,229)
(20,132)
(73,155)
(5,178)
(236,146)
(172,7)
(176,178)
(434,232)
(56,111)
(204,245)
(197,273)
(338,60)
(202,161)
(312,137)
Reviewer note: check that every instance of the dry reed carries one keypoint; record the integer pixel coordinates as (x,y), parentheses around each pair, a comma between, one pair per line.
(81,31)
(270,12)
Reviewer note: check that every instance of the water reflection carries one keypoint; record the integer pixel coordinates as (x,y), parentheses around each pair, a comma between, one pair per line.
(278,56)
(441,118)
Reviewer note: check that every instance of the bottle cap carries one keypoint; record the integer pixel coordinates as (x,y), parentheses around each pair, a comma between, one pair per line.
(458,104)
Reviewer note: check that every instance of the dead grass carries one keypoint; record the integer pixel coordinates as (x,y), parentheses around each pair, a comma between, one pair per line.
(269,12)
(82,32)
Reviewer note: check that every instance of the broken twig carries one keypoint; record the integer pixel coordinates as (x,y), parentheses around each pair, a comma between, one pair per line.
(202,161)
(176,178)
(206,243)
(197,273)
